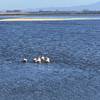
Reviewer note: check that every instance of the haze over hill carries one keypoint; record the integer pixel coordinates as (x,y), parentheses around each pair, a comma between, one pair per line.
(95,6)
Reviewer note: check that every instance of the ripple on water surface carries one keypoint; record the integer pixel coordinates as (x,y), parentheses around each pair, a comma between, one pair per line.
(73,46)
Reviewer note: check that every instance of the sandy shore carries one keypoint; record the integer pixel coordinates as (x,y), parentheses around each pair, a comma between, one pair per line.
(47,19)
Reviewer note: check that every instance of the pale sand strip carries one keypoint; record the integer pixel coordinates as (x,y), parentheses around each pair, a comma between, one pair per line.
(47,19)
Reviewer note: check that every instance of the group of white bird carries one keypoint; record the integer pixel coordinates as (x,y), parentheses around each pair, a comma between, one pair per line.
(40,59)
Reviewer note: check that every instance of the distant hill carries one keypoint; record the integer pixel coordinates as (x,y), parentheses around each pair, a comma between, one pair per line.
(95,6)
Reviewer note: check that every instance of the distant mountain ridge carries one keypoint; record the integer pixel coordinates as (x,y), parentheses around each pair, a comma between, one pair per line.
(95,6)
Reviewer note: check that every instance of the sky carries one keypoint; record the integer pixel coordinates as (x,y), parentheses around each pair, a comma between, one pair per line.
(32,4)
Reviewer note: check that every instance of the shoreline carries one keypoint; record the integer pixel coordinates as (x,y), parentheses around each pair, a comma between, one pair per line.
(46,19)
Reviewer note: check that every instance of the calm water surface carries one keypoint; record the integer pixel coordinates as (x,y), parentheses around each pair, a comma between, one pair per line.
(48,16)
(73,46)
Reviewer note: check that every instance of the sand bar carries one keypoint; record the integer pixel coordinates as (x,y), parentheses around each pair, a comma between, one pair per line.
(46,19)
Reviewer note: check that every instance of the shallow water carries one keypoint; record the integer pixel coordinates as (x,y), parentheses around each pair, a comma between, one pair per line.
(91,16)
(73,46)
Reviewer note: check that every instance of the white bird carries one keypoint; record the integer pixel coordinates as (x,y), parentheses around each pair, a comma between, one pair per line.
(47,60)
(24,60)
(35,60)
(39,60)
(43,58)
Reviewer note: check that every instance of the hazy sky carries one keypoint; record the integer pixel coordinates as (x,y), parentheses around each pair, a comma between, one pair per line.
(24,4)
